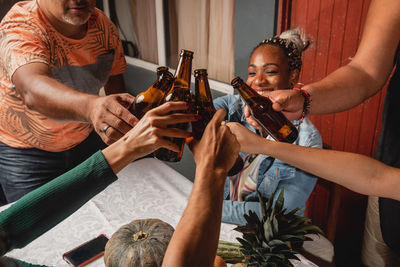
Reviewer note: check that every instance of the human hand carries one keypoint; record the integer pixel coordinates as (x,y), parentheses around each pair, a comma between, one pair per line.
(218,148)
(148,134)
(249,141)
(250,119)
(289,102)
(110,116)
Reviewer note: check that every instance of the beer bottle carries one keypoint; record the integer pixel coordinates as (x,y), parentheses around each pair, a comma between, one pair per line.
(161,71)
(152,97)
(180,91)
(203,106)
(273,122)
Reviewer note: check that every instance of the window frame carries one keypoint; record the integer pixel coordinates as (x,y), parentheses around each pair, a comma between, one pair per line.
(161,47)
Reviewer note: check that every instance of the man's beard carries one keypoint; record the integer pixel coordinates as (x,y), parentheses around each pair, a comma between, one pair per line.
(76,20)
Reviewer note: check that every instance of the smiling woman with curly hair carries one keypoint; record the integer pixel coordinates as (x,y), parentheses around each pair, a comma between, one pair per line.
(274,63)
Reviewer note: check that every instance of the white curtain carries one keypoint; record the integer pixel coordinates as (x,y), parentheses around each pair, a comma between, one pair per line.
(207,28)
(127,32)
(144,23)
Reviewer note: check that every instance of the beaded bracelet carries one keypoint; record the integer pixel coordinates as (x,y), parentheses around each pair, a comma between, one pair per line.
(307,102)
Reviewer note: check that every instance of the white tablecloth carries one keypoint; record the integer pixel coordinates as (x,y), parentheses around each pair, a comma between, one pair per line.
(147,188)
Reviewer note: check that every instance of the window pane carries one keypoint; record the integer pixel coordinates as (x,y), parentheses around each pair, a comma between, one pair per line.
(137,21)
(206,28)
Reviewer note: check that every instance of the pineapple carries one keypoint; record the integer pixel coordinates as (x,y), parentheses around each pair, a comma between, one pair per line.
(277,237)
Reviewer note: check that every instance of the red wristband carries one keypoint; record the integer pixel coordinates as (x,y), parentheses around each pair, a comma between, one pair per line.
(307,102)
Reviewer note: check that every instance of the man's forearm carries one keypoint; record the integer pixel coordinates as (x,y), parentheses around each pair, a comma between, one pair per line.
(57,101)
(369,68)
(195,240)
(44,94)
(343,89)
(356,172)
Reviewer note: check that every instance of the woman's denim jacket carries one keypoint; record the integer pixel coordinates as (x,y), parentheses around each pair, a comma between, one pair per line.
(273,174)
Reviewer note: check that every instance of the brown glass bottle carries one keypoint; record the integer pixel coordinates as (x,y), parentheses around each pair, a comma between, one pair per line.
(180,91)
(152,97)
(273,122)
(203,106)
(161,71)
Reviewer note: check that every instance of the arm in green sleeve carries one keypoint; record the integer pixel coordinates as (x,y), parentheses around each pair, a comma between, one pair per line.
(45,207)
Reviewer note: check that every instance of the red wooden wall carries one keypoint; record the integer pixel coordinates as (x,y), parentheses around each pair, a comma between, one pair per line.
(336,27)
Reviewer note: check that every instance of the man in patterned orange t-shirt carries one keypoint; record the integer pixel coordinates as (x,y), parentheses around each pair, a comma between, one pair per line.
(55,56)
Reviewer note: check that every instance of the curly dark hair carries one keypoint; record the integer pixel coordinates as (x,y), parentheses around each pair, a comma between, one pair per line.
(292,42)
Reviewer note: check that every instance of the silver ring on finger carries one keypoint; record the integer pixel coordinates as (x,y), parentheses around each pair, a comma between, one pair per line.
(106,128)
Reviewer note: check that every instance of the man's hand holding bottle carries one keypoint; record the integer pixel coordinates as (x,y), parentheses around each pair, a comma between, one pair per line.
(289,102)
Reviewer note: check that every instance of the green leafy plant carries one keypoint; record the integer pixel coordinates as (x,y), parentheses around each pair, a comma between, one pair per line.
(275,238)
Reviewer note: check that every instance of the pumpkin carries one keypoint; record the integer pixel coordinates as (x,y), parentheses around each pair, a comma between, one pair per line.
(139,243)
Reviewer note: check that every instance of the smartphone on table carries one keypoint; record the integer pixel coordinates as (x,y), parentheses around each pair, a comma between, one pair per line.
(87,252)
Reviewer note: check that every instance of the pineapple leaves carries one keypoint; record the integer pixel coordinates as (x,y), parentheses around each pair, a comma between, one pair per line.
(279,202)
(276,237)
(308,229)
(264,209)
(275,226)
(244,243)
(268,233)
(292,213)
(276,242)
(269,203)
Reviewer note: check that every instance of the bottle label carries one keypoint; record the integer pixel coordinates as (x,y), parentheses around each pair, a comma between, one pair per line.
(285,131)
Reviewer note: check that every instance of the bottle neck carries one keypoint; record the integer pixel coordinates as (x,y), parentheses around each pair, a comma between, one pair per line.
(165,83)
(183,72)
(244,90)
(162,71)
(202,89)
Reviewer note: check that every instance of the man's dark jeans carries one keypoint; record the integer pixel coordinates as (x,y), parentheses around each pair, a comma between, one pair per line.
(23,170)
